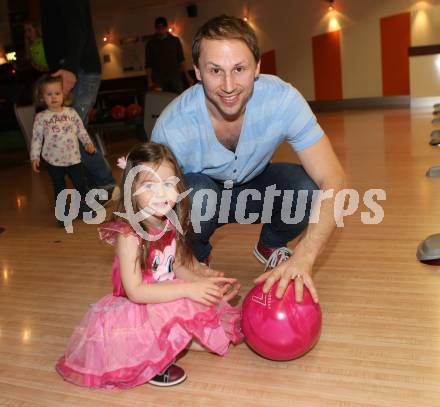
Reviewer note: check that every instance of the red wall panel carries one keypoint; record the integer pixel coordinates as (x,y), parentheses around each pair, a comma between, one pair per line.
(268,63)
(395,34)
(327,66)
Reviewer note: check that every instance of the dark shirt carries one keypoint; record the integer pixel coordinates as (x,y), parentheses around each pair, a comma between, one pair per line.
(68,36)
(164,56)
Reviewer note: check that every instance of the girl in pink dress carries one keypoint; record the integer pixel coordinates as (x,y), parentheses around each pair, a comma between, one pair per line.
(163,300)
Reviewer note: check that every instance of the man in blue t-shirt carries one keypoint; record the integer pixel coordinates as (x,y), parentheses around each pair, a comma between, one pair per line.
(224,132)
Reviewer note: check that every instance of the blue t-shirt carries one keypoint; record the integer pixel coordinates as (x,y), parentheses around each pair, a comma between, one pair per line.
(275,112)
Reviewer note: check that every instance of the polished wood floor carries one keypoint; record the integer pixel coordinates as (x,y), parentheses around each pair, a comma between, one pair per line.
(380,343)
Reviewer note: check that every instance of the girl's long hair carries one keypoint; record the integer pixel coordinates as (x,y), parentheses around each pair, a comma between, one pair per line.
(154,155)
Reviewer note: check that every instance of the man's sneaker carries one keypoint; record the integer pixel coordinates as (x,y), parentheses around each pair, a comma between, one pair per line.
(271,256)
(170,377)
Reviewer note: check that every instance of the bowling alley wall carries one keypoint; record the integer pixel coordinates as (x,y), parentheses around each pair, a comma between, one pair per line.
(360,49)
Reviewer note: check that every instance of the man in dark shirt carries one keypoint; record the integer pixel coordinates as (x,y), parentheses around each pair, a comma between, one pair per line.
(70,48)
(164,59)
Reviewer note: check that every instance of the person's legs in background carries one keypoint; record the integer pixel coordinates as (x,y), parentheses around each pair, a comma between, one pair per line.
(76,175)
(57,175)
(97,170)
(84,94)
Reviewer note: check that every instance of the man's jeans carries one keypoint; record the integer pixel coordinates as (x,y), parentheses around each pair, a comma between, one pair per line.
(97,169)
(275,231)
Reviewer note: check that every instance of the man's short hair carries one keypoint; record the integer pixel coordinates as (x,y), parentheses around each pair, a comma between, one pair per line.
(161,21)
(222,28)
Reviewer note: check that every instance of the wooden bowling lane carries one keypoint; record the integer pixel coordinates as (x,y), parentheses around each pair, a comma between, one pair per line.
(380,340)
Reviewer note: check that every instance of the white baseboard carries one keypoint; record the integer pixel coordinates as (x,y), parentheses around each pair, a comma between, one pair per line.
(417,102)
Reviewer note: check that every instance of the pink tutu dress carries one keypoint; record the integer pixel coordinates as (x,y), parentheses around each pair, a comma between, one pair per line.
(122,344)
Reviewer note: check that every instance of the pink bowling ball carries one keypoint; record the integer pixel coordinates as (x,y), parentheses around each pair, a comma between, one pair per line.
(280,329)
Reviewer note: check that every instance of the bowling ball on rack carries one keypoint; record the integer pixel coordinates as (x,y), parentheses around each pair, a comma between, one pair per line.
(118,112)
(133,110)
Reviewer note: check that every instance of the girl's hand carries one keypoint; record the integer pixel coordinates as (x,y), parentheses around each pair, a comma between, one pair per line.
(36,165)
(90,148)
(230,290)
(209,291)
